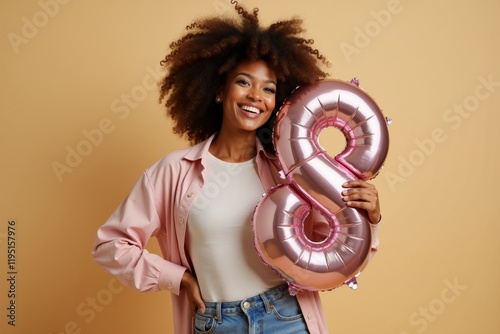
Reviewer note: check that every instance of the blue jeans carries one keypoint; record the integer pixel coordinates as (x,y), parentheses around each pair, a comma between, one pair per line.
(273,311)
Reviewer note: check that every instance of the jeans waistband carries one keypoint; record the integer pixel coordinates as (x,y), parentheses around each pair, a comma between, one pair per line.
(264,299)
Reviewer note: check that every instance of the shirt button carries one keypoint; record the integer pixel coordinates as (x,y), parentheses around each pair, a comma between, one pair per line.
(181,221)
(190,194)
(246,305)
(309,316)
(169,286)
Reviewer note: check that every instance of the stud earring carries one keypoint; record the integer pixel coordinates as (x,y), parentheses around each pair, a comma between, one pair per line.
(218,99)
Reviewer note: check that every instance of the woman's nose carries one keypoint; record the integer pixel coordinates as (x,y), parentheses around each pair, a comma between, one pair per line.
(254,94)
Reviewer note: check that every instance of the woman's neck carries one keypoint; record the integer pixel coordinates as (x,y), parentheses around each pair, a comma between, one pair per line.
(234,148)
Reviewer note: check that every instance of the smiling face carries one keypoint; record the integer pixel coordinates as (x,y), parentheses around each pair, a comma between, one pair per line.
(248,97)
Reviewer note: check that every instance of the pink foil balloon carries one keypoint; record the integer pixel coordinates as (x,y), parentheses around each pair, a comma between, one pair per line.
(315,184)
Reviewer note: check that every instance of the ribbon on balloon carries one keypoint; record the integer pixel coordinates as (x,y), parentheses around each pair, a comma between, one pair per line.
(314,184)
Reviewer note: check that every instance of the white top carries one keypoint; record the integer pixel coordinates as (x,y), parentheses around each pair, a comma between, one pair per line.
(220,240)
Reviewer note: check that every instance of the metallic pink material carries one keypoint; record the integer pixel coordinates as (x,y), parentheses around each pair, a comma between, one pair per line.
(314,184)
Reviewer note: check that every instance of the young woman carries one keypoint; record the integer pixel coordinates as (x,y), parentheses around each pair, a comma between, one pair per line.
(225,79)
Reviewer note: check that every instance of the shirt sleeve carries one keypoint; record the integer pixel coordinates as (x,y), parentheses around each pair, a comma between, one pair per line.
(120,244)
(374,245)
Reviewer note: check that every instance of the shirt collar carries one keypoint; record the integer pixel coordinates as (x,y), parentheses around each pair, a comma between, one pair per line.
(200,150)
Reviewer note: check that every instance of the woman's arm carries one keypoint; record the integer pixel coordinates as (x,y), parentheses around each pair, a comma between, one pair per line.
(121,241)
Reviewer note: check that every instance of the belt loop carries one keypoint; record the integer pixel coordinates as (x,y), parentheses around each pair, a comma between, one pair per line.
(218,312)
(266,302)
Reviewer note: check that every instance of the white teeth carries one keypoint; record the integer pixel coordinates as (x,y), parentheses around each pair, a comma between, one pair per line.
(253,110)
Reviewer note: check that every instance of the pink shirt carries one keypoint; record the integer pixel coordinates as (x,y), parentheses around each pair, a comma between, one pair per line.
(158,206)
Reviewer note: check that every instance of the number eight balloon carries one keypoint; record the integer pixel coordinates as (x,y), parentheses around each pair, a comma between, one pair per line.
(314,183)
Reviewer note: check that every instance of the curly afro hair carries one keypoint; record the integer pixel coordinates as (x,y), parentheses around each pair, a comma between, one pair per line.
(199,62)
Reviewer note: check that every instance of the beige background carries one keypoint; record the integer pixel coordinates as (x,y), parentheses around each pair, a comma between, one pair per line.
(77,69)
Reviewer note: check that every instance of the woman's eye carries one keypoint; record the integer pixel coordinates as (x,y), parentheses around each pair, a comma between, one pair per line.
(270,90)
(243,82)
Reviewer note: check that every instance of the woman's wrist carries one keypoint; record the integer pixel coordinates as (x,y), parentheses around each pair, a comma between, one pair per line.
(378,221)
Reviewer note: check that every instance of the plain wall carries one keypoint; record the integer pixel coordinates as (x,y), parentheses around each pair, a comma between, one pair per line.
(74,70)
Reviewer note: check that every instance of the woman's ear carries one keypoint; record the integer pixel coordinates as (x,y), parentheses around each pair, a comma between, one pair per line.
(218,95)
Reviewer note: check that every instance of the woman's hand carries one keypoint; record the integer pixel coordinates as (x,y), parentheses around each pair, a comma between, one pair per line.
(363,195)
(190,284)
